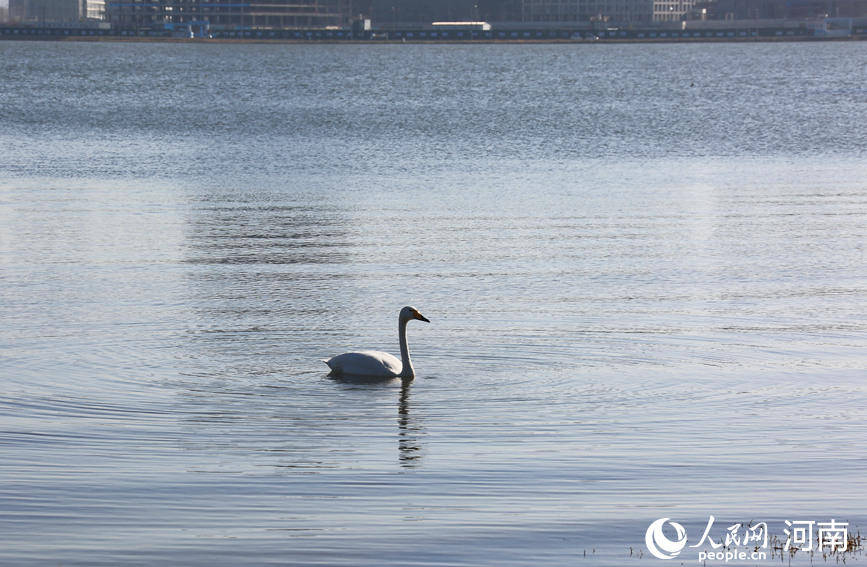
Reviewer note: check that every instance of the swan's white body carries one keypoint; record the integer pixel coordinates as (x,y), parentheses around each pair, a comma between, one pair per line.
(378,364)
(366,363)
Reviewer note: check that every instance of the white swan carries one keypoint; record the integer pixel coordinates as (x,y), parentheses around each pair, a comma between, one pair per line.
(377,364)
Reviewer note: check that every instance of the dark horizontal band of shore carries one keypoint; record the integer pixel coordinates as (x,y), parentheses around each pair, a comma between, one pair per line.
(612,35)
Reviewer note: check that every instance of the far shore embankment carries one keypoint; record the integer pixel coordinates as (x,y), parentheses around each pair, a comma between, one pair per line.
(789,31)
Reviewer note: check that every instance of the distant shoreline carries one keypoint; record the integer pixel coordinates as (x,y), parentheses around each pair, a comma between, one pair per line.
(513,41)
(718,33)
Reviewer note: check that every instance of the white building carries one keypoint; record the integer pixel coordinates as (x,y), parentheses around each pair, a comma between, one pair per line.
(93,9)
(671,10)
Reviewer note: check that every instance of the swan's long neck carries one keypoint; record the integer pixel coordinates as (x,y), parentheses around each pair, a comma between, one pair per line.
(407,371)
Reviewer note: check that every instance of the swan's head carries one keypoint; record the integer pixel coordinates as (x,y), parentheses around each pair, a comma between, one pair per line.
(408,313)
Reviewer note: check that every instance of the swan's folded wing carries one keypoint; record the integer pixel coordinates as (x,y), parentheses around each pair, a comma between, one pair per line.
(365,363)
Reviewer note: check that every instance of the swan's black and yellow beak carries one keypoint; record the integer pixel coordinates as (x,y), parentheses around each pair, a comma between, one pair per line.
(421,317)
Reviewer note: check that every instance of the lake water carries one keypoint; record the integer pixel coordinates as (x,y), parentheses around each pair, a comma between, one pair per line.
(644,267)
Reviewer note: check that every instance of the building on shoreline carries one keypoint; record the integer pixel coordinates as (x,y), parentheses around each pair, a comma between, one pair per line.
(44,12)
(582,11)
(777,9)
(230,14)
(413,13)
(182,16)
(568,13)
(671,10)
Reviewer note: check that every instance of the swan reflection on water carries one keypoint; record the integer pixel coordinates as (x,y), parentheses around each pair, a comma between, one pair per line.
(408,445)
(408,429)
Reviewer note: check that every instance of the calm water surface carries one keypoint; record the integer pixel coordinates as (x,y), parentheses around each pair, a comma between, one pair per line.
(643,264)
